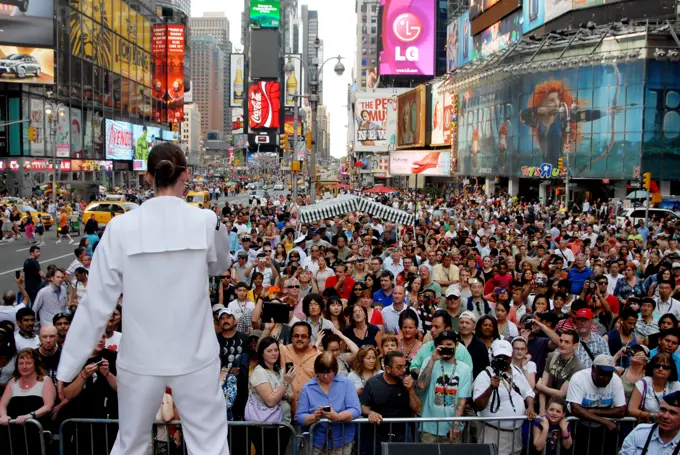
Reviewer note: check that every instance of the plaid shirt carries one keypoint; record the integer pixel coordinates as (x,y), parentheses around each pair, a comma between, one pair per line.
(597,346)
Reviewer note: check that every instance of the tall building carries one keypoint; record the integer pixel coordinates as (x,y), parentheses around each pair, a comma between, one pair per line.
(216,24)
(207,76)
(367,43)
(310,33)
(323,132)
(292,25)
(183,5)
(191,133)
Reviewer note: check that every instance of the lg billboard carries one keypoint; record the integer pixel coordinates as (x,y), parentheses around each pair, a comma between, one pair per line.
(407,37)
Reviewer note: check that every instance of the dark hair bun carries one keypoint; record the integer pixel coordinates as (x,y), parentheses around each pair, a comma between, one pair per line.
(163,172)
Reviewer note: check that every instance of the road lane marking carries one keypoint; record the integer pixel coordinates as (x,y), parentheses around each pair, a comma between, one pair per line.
(42,260)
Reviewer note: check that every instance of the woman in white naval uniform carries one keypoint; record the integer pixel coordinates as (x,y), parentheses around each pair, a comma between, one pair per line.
(160,256)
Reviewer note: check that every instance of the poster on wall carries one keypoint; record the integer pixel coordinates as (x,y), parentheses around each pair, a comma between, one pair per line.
(477,7)
(293,84)
(411,113)
(237,83)
(440,115)
(63,133)
(408,37)
(175,77)
(556,8)
(372,131)
(533,14)
(37,146)
(498,36)
(454,133)
(119,143)
(420,162)
(160,74)
(452,40)
(514,125)
(465,42)
(264,104)
(93,145)
(76,133)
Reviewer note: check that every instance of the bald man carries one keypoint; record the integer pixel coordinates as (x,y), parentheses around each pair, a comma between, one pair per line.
(49,350)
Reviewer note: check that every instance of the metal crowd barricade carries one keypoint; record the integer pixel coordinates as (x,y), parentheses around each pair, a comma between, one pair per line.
(96,437)
(24,439)
(511,439)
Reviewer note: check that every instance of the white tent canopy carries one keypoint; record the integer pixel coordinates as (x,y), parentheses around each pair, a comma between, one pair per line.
(348,203)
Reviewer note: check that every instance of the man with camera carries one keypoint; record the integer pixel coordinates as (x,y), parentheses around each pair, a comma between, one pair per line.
(447,384)
(591,344)
(499,392)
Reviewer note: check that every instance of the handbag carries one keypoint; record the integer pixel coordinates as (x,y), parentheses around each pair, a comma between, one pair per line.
(259,412)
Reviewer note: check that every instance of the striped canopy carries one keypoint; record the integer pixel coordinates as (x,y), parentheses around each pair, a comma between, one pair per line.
(347,203)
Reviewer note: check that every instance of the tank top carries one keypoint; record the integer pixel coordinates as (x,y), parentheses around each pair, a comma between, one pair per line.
(627,386)
(25,401)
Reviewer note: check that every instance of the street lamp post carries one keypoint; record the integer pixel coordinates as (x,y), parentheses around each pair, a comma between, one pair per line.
(314,102)
(53,112)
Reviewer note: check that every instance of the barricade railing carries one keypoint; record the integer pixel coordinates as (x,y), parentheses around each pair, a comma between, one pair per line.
(326,437)
(97,436)
(26,438)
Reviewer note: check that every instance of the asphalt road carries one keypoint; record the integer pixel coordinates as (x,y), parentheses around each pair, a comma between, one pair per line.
(13,255)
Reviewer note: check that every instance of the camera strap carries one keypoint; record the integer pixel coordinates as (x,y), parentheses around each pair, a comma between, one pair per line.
(588,351)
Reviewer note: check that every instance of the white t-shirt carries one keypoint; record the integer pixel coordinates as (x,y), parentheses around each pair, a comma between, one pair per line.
(652,398)
(506,408)
(9,313)
(239,308)
(7,371)
(113,343)
(23,343)
(583,391)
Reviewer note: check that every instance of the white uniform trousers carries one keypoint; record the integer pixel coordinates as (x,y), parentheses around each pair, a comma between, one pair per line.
(199,400)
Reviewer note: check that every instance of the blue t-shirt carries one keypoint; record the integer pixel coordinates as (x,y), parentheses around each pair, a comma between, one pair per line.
(577,279)
(382,299)
(441,396)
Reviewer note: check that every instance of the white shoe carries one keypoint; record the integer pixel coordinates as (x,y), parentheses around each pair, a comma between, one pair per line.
(10,240)
(41,243)
(71,242)
(58,241)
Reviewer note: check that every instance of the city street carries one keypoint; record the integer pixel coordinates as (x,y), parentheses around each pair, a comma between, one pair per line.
(14,254)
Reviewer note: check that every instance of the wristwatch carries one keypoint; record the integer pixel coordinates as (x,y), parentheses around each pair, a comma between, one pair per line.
(33,415)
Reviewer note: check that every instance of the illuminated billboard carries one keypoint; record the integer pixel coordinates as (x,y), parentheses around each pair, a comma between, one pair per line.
(26,65)
(119,141)
(237,83)
(411,113)
(498,36)
(407,39)
(421,162)
(265,13)
(440,115)
(168,77)
(27,24)
(373,132)
(264,104)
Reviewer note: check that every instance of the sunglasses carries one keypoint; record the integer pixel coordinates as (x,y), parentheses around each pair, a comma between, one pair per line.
(293,287)
(662,366)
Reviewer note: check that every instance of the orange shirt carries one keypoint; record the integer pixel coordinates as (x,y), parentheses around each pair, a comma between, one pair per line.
(63,219)
(304,368)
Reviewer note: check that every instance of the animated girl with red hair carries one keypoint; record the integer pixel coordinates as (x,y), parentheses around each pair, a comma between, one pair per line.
(549,124)
(475,149)
(502,145)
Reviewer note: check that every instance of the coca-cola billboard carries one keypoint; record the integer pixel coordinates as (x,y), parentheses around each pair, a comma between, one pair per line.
(264,102)
(119,140)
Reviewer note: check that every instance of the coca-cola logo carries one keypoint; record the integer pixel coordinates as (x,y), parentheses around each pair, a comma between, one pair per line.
(264,100)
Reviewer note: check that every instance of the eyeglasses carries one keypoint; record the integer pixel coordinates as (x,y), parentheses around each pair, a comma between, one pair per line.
(662,366)
(300,335)
(603,283)
(294,286)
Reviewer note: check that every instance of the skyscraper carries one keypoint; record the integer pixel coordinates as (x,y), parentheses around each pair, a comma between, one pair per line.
(367,43)
(292,24)
(216,24)
(183,5)
(310,33)
(207,76)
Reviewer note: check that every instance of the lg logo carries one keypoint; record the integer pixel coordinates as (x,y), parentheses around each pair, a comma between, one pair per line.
(407,27)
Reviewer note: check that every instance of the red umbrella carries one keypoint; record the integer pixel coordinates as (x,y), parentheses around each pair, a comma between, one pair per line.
(381,189)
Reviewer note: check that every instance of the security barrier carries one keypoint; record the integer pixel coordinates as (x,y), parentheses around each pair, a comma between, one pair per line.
(512,435)
(97,436)
(28,438)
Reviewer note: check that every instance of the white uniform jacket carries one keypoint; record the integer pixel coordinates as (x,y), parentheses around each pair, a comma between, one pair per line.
(159,256)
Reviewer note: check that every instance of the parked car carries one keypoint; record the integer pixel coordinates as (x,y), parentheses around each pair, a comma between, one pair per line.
(278,187)
(636,214)
(20,65)
(21,4)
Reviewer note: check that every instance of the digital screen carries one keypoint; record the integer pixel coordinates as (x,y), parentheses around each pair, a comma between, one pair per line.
(119,140)
(265,13)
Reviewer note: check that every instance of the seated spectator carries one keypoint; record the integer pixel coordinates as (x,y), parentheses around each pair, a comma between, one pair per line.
(332,397)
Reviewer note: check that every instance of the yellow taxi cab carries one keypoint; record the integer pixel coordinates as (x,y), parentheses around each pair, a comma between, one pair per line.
(103,211)
(198,198)
(46,218)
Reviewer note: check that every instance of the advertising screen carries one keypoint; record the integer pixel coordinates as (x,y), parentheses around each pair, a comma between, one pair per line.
(411,113)
(556,8)
(237,83)
(27,24)
(170,136)
(512,128)
(293,83)
(477,7)
(91,166)
(144,138)
(265,13)
(408,37)
(465,42)
(499,36)
(119,142)
(440,115)
(423,162)
(452,40)
(372,129)
(168,77)
(533,14)
(264,103)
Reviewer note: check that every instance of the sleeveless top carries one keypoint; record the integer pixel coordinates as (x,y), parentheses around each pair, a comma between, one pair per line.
(627,386)
(24,402)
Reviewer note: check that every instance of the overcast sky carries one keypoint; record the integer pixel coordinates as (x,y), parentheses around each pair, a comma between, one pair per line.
(337,28)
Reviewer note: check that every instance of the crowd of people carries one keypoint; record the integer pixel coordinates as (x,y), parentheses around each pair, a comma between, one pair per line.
(488,306)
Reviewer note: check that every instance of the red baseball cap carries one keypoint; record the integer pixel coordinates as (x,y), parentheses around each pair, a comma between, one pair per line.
(584,313)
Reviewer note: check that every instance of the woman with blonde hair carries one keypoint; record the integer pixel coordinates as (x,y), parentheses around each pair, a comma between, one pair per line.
(366,365)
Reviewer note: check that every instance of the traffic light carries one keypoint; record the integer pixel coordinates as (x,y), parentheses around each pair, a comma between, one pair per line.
(647,181)
(308,139)
(284,142)
(31,133)
(560,163)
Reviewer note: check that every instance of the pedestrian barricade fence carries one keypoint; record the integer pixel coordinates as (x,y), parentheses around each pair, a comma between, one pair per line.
(509,435)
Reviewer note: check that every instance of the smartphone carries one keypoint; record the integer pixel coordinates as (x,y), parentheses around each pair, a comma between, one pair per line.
(17,274)
(446,351)
(326,409)
(99,363)
(289,366)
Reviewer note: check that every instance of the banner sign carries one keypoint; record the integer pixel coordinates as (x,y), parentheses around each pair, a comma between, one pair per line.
(423,162)
(544,171)
(119,140)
